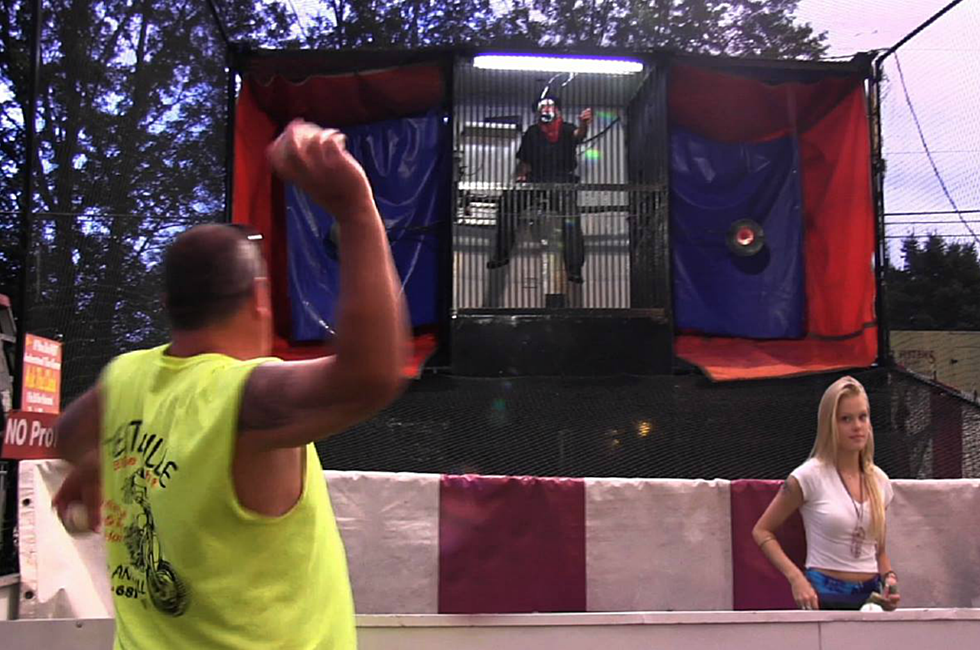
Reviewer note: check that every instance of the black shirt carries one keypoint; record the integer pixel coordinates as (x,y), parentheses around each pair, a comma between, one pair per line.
(550,162)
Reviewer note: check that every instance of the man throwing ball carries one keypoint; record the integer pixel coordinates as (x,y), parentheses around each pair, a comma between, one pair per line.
(195,458)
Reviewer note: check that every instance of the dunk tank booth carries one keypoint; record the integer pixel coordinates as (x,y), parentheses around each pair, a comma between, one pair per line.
(725,209)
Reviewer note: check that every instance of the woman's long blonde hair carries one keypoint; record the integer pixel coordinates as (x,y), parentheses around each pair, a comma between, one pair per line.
(825,447)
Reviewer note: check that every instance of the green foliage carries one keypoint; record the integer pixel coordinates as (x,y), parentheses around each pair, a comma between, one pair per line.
(739,28)
(938,289)
(766,28)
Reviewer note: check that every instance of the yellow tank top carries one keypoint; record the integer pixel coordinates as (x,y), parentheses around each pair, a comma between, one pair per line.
(189,567)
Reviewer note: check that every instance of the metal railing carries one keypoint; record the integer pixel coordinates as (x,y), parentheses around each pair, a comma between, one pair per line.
(543,245)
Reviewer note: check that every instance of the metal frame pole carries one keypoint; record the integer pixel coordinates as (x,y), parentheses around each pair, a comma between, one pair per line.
(27,196)
(232,87)
(877,194)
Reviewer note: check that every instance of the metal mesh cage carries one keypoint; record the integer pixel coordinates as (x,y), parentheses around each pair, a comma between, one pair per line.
(546,213)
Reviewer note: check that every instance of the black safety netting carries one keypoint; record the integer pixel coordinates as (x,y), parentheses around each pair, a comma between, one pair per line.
(651,427)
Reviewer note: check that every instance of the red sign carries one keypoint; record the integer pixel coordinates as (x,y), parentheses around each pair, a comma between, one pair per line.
(29,436)
(42,375)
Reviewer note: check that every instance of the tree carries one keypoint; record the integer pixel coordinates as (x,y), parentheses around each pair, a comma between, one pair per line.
(939,288)
(732,27)
(14,51)
(130,149)
(768,28)
(399,24)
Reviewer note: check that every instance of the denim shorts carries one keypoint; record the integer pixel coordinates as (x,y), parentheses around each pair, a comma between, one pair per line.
(841,594)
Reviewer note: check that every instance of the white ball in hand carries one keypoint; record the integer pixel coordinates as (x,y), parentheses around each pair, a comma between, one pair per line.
(75,519)
(871,607)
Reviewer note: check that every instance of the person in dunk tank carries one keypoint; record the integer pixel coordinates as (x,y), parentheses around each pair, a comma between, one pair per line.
(195,458)
(842,496)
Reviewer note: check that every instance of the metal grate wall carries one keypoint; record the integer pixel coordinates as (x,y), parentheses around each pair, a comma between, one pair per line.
(522,245)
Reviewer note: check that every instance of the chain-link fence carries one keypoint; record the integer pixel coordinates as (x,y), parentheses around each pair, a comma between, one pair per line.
(14,58)
(130,148)
(94,284)
(678,427)
(931,157)
(131,133)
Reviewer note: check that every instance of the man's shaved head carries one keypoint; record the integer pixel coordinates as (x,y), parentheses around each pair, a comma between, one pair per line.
(208,274)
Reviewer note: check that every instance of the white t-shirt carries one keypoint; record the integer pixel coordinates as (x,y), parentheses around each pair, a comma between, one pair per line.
(830,520)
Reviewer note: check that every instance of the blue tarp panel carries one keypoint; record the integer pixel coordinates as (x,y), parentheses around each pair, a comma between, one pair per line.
(713,185)
(407,163)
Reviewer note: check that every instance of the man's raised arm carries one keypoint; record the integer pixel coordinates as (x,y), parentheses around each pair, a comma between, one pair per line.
(291,404)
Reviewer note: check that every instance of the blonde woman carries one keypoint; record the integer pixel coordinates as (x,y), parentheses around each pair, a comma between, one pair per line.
(842,497)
